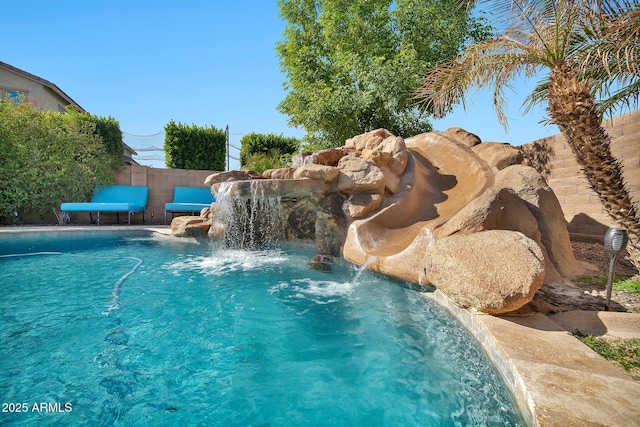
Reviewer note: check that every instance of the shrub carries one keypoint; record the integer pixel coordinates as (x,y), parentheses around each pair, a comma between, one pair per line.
(48,158)
(261,162)
(269,145)
(193,147)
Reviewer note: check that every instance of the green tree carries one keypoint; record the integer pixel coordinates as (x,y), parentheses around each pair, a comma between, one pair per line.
(51,158)
(109,130)
(194,147)
(353,65)
(589,47)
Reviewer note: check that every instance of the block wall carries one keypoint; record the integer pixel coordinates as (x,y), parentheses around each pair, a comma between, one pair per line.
(586,218)
(161,183)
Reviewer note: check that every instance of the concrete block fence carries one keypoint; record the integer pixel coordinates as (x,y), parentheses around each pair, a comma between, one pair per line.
(586,218)
(161,183)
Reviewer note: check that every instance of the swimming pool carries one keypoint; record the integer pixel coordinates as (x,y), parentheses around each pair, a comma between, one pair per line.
(139,329)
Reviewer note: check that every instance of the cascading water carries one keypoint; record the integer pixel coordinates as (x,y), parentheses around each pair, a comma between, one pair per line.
(364,267)
(247,221)
(301,160)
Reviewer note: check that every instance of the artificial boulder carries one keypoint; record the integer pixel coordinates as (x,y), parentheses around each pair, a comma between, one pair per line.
(545,207)
(315,171)
(359,175)
(463,136)
(396,148)
(498,155)
(493,271)
(366,140)
(359,205)
(499,208)
(329,157)
(228,176)
(495,209)
(189,226)
(321,262)
(281,173)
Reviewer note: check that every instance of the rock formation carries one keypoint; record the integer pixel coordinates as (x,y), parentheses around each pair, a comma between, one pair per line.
(441,209)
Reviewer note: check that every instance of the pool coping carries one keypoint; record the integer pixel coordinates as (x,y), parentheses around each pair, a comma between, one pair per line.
(554,378)
(163,229)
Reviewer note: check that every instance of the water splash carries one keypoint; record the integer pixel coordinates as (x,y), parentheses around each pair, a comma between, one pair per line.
(369,261)
(248,221)
(227,261)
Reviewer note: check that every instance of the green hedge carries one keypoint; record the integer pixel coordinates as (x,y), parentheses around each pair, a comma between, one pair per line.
(109,130)
(267,145)
(48,158)
(194,147)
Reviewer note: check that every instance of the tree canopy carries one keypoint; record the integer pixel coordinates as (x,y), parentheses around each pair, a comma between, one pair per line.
(49,158)
(353,65)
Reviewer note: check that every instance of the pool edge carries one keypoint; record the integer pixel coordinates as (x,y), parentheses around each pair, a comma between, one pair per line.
(163,229)
(555,379)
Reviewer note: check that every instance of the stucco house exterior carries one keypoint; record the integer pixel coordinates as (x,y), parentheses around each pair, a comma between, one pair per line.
(21,86)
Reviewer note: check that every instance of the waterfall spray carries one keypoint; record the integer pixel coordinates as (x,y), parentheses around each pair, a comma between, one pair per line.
(249,220)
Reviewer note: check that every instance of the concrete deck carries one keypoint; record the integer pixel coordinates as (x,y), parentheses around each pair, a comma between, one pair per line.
(557,380)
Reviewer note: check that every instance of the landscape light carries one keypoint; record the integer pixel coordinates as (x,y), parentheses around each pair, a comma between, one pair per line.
(615,241)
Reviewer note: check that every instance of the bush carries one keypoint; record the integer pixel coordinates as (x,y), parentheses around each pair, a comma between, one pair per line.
(269,145)
(48,158)
(261,162)
(196,148)
(109,130)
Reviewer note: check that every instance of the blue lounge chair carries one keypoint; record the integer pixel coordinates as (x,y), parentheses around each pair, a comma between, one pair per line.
(189,200)
(112,198)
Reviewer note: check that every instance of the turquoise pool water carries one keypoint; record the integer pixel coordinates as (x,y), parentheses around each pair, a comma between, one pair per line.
(135,329)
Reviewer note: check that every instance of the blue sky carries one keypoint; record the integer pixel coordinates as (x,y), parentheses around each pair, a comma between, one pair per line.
(206,62)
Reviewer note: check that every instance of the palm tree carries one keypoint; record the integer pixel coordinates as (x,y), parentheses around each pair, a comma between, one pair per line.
(590,48)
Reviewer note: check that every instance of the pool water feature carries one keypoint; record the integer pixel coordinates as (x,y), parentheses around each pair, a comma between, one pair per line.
(197,335)
(252,220)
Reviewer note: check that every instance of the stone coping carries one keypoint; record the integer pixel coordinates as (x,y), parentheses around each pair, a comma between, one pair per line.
(556,379)
(12,229)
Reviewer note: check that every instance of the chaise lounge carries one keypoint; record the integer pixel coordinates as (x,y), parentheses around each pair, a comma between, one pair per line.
(112,198)
(188,200)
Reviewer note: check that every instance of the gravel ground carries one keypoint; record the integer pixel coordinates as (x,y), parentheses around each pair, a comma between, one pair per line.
(556,298)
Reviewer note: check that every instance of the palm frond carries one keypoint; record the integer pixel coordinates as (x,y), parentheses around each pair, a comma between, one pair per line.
(608,54)
(626,97)
(493,63)
(539,96)
(599,38)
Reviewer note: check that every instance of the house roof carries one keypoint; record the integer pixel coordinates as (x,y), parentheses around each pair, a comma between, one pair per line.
(43,82)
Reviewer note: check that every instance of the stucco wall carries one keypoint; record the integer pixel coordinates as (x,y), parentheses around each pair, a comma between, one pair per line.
(586,218)
(42,98)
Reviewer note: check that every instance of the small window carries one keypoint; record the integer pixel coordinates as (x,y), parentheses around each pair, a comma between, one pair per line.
(16,96)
